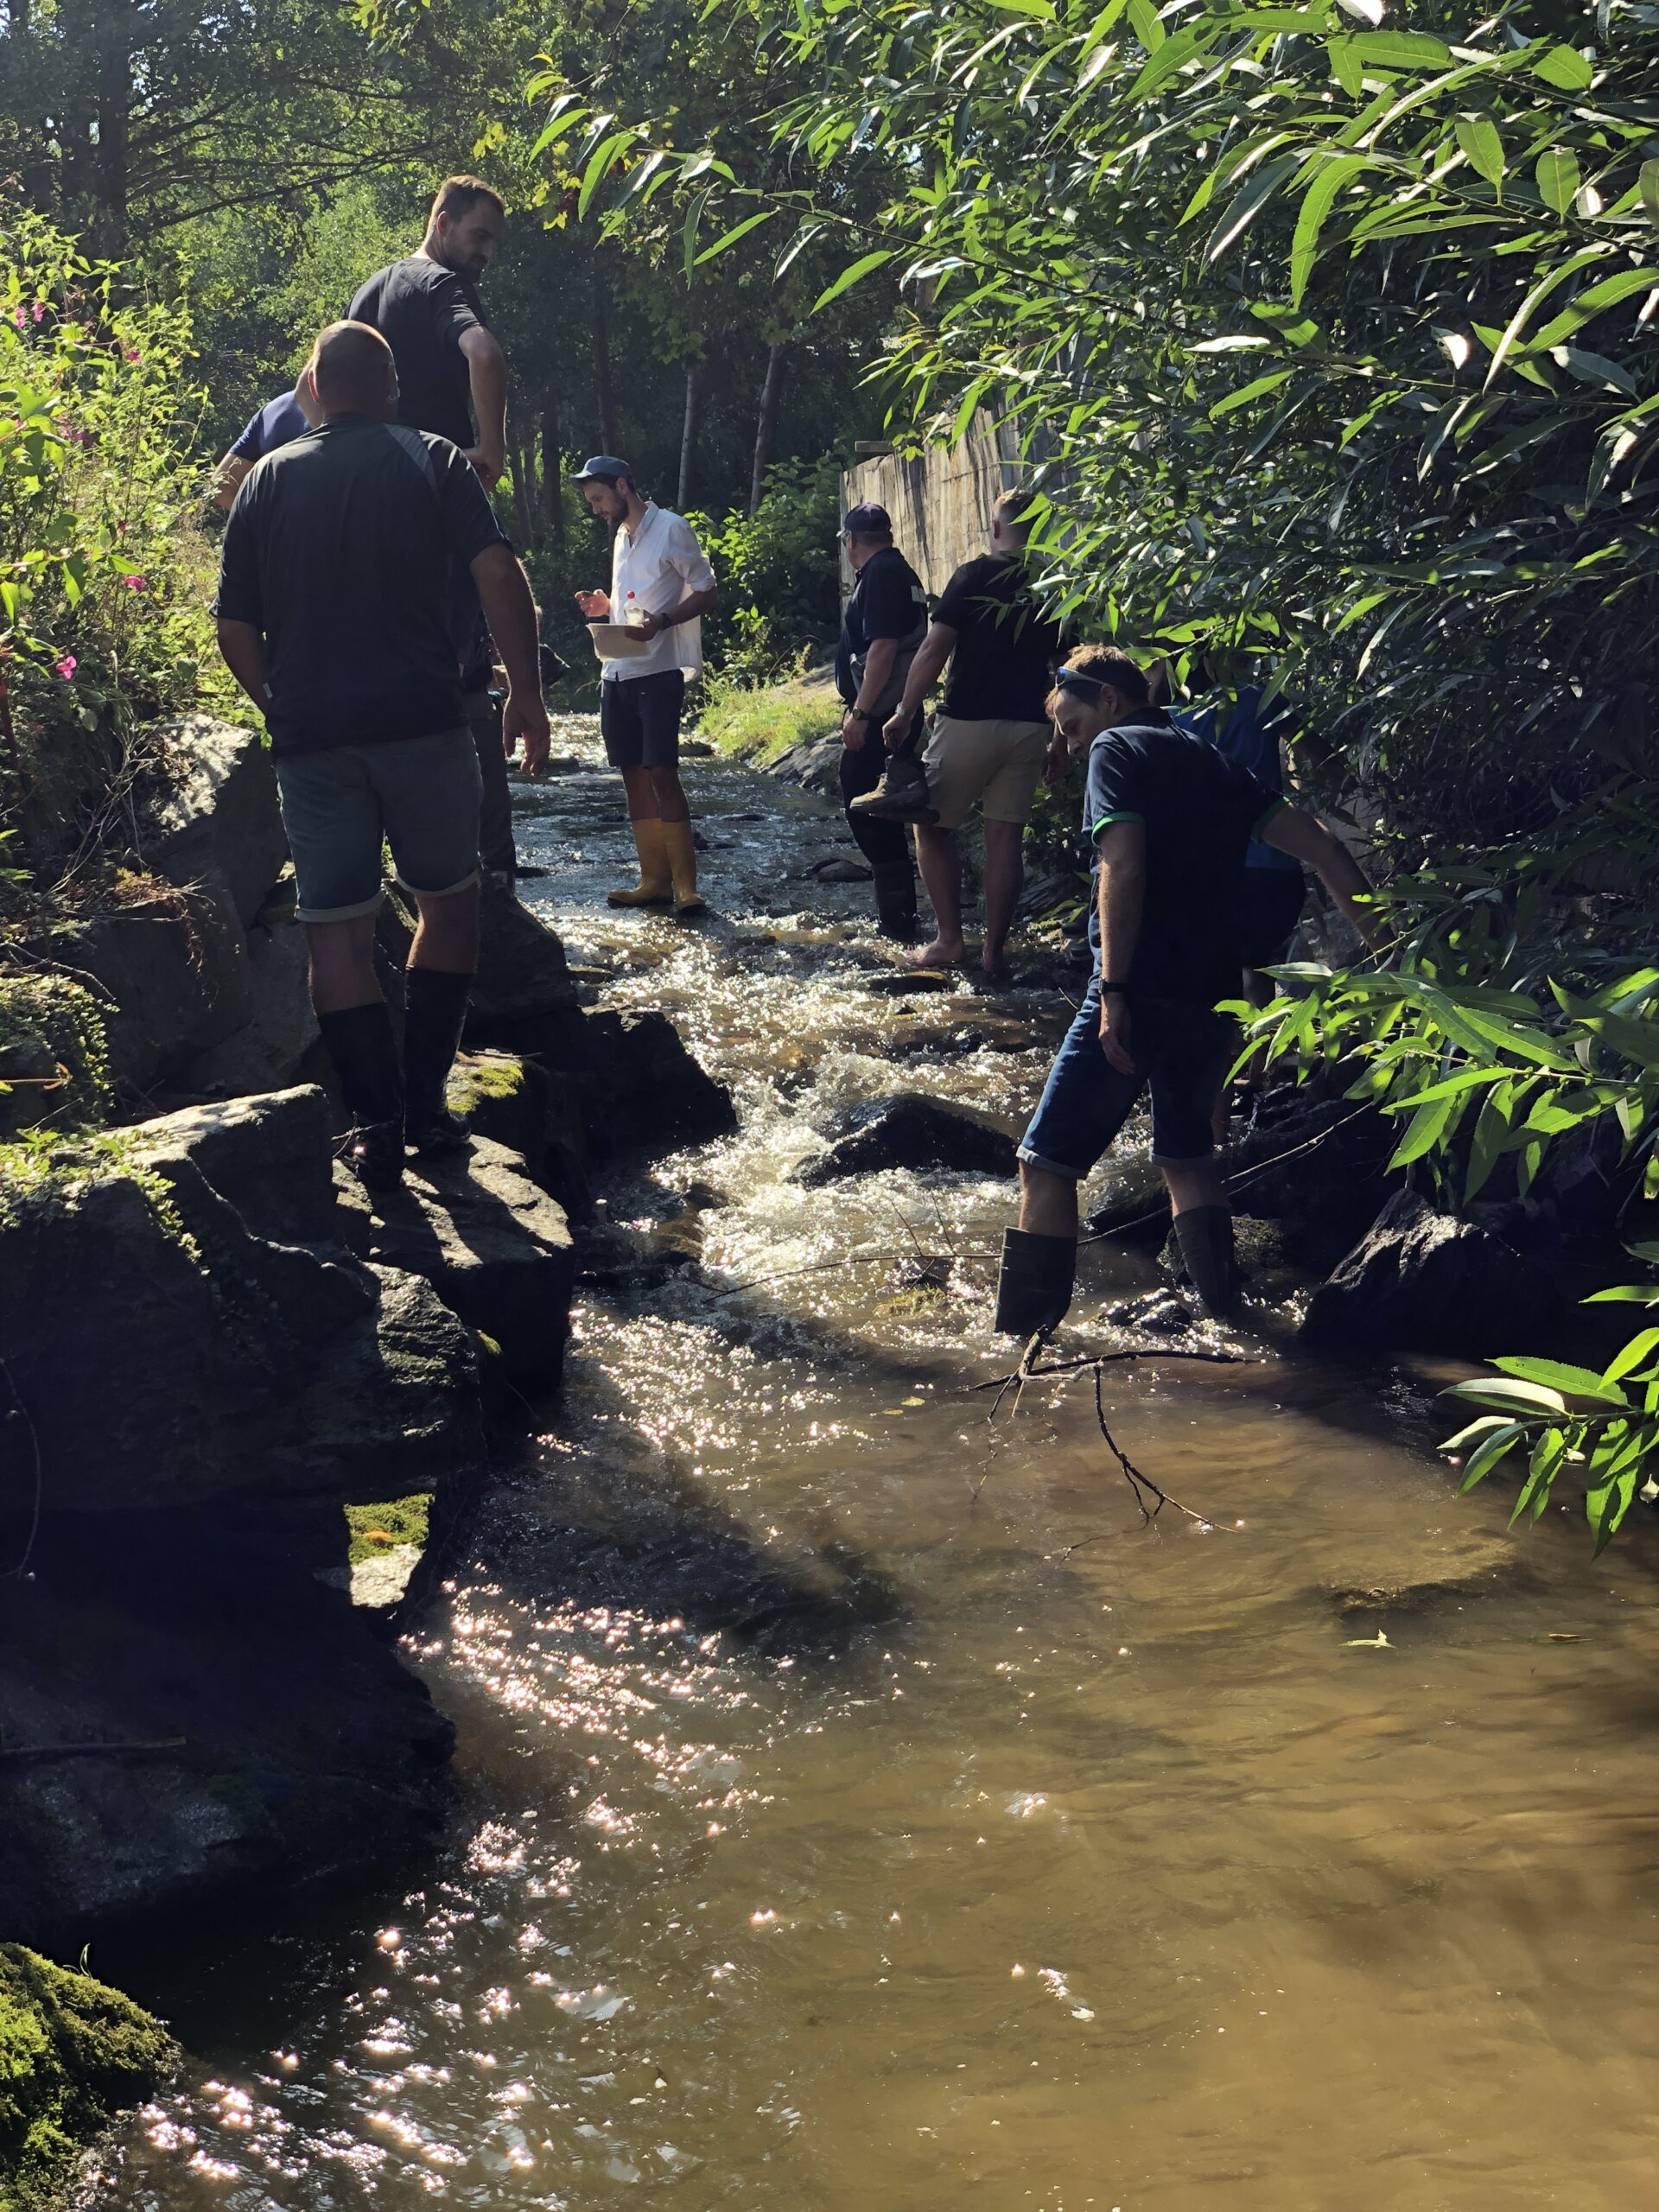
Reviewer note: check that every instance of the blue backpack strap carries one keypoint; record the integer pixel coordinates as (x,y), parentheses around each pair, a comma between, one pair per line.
(416,447)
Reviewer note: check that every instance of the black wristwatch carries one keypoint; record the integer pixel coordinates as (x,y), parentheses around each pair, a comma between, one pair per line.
(1113,990)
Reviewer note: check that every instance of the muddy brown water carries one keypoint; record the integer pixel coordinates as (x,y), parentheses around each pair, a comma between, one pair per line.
(857,1807)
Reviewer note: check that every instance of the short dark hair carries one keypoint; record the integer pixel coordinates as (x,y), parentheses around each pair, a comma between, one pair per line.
(1102,664)
(459,195)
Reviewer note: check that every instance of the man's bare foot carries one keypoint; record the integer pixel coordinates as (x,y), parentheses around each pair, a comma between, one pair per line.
(937,954)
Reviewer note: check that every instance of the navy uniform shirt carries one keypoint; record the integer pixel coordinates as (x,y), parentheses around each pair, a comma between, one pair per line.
(1200,810)
(339,550)
(887,602)
(278,422)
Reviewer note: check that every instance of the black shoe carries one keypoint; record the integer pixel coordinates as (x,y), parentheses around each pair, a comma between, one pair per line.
(441,1131)
(1034,1283)
(894,883)
(901,795)
(375,1155)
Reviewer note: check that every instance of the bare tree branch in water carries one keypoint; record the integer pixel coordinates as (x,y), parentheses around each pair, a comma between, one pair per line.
(1149,1497)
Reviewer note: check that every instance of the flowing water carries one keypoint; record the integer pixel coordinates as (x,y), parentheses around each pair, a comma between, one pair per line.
(859,1807)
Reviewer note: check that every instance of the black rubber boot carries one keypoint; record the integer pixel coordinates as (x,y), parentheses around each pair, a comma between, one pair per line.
(895,897)
(901,795)
(360,1042)
(1205,1236)
(434,1009)
(1033,1285)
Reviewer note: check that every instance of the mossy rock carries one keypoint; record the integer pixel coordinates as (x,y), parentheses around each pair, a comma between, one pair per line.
(72,2052)
(375,1529)
(54,1068)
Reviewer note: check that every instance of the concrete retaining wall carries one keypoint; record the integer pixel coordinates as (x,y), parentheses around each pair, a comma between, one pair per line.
(940,502)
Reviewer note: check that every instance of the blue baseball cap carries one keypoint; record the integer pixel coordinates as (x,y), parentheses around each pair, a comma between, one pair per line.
(602,468)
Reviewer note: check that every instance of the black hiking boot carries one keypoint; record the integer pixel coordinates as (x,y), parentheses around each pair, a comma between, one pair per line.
(901,795)
(375,1155)
(1033,1286)
(1204,1235)
(435,1132)
(895,899)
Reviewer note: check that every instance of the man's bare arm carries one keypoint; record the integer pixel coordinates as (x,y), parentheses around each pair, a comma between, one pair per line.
(694,605)
(227,479)
(1123,850)
(504,591)
(486,368)
(244,651)
(931,654)
(1291,830)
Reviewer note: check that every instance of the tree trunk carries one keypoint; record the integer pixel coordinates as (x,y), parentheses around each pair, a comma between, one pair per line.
(524,484)
(114,126)
(766,431)
(691,431)
(603,392)
(553,475)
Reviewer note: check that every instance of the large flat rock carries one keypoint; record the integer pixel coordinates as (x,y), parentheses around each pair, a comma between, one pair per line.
(493,1245)
(908,1130)
(219,819)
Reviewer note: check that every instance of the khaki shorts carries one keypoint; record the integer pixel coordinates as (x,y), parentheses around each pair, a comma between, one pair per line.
(996,763)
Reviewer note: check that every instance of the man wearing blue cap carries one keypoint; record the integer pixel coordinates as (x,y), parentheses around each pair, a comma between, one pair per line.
(661,587)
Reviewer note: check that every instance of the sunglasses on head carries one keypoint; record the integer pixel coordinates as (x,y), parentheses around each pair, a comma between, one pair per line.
(1073,680)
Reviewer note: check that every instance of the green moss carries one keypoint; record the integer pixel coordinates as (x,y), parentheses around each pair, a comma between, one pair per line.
(54,1068)
(494,1077)
(759,725)
(376,1529)
(73,2053)
(43,1162)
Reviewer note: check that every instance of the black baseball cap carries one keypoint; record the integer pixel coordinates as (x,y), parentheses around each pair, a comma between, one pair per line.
(602,468)
(867,520)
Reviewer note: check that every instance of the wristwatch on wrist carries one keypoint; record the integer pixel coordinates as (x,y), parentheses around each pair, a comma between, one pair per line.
(1113,990)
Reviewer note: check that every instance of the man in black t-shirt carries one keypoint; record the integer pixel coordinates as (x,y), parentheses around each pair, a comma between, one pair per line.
(333,612)
(1166,818)
(991,739)
(450,370)
(882,625)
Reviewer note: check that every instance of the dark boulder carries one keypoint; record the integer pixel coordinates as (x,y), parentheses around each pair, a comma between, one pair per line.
(277,1041)
(1426,1279)
(534,1111)
(493,1245)
(906,1130)
(642,1088)
(219,820)
(522,971)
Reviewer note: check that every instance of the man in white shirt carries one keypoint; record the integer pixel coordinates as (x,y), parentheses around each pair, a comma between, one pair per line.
(662,586)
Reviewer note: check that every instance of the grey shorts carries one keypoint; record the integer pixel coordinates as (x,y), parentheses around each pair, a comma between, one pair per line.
(418,794)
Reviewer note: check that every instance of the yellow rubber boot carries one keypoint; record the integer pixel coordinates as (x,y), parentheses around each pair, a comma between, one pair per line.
(656,886)
(682,867)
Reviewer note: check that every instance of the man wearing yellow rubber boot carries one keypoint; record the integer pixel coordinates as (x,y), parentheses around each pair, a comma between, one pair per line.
(661,587)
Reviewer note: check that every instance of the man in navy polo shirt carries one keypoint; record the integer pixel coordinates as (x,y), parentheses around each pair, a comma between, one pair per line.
(276,423)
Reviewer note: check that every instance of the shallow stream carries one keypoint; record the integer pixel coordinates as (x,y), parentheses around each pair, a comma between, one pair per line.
(859,1810)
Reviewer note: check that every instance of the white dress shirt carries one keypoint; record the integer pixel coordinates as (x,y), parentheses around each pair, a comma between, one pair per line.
(659,564)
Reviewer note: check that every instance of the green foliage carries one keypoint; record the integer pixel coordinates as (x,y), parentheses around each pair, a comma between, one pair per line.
(52,1063)
(72,2052)
(759,724)
(47,1165)
(779,571)
(1599,1429)
(103,575)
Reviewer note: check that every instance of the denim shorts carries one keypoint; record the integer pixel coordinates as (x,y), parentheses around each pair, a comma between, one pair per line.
(419,794)
(1181,1051)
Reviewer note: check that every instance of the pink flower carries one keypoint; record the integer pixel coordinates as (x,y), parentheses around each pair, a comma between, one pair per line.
(19,317)
(135,583)
(68,666)
(133,356)
(39,312)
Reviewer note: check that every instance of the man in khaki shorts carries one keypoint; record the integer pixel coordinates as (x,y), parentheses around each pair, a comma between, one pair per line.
(991,739)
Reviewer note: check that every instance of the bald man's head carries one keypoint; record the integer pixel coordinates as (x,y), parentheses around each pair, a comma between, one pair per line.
(351,372)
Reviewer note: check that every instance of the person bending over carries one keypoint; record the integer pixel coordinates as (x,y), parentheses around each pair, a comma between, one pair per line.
(1167,819)
(661,586)
(334,613)
(989,739)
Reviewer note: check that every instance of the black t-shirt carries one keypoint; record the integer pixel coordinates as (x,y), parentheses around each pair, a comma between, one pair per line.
(887,602)
(1005,647)
(338,548)
(424,310)
(1200,810)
